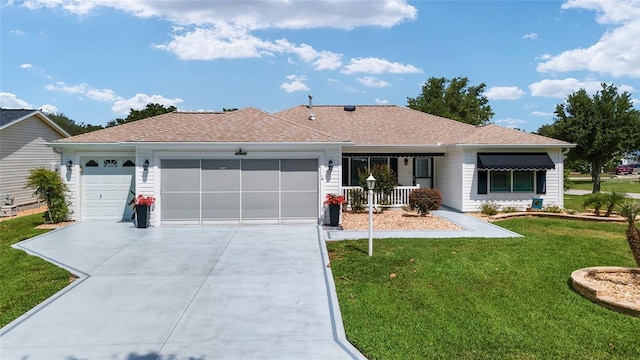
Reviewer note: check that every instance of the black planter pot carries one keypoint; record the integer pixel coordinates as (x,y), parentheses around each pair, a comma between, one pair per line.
(334,214)
(142,216)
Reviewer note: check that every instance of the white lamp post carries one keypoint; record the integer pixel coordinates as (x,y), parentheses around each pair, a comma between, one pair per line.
(371,184)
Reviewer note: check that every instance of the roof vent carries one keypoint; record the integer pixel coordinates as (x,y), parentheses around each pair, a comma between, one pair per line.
(349,108)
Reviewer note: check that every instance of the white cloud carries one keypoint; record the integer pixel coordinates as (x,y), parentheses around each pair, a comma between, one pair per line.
(253,14)
(510,122)
(372,82)
(381,101)
(504,93)
(61,86)
(26,66)
(636,102)
(296,84)
(49,109)
(104,95)
(378,66)
(11,101)
(541,113)
(140,101)
(18,32)
(617,52)
(530,36)
(561,88)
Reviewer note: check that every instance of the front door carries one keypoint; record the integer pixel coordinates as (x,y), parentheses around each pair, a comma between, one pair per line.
(424,172)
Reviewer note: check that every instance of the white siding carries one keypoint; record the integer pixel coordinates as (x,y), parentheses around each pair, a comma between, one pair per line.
(448,177)
(473,200)
(22,148)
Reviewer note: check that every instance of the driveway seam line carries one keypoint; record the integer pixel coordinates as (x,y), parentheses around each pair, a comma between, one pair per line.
(206,277)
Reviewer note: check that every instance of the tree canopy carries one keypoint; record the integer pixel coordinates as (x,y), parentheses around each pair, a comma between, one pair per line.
(453,99)
(604,127)
(152,109)
(70,126)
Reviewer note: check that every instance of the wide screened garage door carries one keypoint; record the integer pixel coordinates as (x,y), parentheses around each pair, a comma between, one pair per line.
(239,191)
(106,188)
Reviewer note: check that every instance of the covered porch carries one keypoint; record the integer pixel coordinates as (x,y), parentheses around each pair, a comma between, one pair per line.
(412,170)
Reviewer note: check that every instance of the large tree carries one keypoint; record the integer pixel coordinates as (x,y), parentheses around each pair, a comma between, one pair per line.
(453,99)
(604,127)
(152,109)
(70,126)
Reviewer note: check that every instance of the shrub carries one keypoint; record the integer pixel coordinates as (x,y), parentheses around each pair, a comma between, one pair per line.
(386,180)
(425,200)
(552,209)
(49,187)
(357,199)
(510,209)
(630,209)
(489,208)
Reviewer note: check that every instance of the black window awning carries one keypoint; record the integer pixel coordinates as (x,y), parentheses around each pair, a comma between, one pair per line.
(515,161)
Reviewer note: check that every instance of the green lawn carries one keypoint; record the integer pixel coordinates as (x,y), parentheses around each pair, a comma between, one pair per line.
(25,281)
(613,184)
(484,298)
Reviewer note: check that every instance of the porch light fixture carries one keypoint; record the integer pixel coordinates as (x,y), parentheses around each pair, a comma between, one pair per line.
(406,161)
(145,166)
(69,165)
(371,184)
(330,165)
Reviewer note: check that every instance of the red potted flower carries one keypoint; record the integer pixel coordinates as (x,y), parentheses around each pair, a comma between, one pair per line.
(334,202)
(142,206)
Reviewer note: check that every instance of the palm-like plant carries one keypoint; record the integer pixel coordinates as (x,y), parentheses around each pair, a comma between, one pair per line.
(630,209)
(614,198)
(597,200)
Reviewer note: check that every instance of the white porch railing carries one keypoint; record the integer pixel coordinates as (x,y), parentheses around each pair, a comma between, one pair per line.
(398,198)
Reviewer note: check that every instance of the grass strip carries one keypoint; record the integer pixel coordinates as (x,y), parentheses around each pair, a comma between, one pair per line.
(484,298)
(25,280)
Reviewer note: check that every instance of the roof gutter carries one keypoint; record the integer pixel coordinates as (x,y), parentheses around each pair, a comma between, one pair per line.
(516,146)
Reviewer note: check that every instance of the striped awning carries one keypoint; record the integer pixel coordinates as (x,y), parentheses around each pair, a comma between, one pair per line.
(515,161)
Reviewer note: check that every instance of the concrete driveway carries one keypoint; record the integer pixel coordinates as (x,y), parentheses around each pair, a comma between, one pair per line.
(252,292)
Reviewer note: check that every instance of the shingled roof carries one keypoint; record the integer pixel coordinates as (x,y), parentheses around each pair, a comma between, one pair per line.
(369,125)
(399,126)
(248,125)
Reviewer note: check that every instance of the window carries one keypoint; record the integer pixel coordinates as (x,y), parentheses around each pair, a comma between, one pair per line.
(523,181)
(110,163)
(352,166)
(512,181)
(129,163)
(500,181)
(91,163)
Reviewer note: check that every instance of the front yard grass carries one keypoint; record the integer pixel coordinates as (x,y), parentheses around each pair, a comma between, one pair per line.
(484,298)
(613,184)
(25,281)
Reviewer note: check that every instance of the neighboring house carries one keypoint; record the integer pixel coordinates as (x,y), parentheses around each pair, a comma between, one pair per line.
(250,166)
(23,137)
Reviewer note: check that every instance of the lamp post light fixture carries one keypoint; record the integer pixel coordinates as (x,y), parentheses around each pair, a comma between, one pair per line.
(330,165)
(69,165)
(145,165)
(371,184)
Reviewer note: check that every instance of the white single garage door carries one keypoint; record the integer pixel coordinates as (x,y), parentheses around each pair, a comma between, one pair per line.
(106,188)
(206,191)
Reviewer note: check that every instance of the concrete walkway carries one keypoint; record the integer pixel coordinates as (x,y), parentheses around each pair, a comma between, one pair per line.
(586,192)
(472,227)
(261,292)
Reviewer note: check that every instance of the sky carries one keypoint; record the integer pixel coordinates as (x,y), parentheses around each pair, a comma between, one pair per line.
(94,60)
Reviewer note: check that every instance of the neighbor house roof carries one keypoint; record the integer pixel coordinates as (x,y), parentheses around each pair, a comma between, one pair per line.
(9,117)
(247,125)
(392,125)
